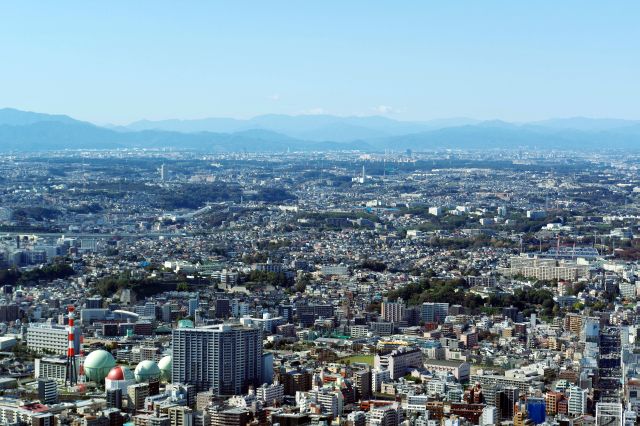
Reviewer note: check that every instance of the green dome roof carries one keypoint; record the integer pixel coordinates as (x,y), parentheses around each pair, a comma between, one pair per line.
(98,364)
(146,371)
(165,365)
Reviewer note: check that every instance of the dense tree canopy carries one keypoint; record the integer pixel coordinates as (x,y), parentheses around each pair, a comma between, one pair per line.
(455,292)
(48,273)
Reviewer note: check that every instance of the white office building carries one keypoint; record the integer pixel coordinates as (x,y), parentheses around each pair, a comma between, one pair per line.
(609,413)
(270,393)
(51,338)
(577,401)
(330,402)
(489,416)
(385,415)
(51,368)
(398,362)
(378,377)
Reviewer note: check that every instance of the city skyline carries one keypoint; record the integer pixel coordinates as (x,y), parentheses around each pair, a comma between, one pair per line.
(319,213)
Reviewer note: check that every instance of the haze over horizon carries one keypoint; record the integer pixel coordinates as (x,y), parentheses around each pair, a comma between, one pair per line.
(452,119)
(122,62)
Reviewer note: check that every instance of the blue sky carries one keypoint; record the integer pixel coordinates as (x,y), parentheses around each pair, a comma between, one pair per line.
(121,61)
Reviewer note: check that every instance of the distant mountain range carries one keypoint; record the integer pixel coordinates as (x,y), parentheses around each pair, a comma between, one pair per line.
(30,131)
(305,127)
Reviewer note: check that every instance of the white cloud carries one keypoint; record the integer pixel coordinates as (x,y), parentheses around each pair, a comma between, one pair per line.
(314,111)
(274,97)
(384,109)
